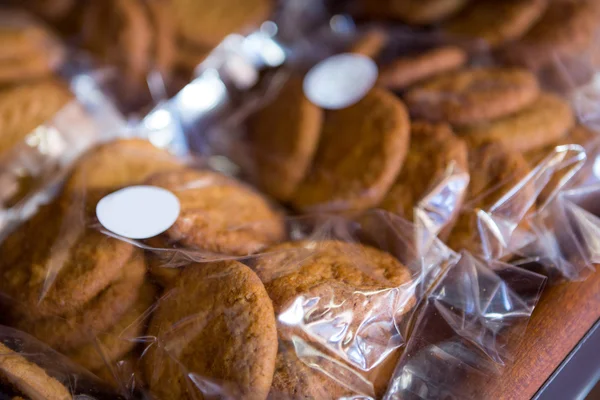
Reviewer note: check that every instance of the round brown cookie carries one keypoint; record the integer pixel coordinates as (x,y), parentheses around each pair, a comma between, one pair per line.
(294,379)
(473,95)
(564,30)
(294,268)
(207,22)
(496,22)
(28,378)
(161,17)
(117,164)
(164,265)
(120,32)
(406,71)
(79,326)
(111,345)
(494,170)
(64,267)
(51,10)
(216,322)
(541,123)
(24,108)
(413,11)
(219,214)
(433,148)
(370,43)
(284,137)
(360,153)
(36,66)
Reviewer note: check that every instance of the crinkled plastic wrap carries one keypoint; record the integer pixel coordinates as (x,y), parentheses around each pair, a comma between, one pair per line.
(65,100)
(466,330)
(30,369)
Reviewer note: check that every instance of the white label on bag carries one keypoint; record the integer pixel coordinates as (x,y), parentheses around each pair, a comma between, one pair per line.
(340,81)
(138,212)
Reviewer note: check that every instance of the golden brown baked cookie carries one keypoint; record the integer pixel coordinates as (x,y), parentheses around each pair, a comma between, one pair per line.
(29,49)
(406,71)
(295,268)
(219,214)
(541,123)
(79,326)
(117,164)
(28,378)
(370,43)
(206,22)
(119,32)
(360,153)
(496,22)
(64,267)
(566,29)
(164,266)
(111,345)
(494,170)
(419,12)
(293,379)
(163,28)
(284,137)
(24,108)
(473,95)
(216,322)
(433,148)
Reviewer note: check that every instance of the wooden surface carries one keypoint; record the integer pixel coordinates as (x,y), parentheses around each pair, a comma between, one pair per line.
(563,316)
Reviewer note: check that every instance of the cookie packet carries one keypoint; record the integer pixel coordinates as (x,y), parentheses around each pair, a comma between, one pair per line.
(33,370)
(340,292)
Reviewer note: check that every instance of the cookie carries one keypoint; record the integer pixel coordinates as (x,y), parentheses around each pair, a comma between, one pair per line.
(206,22)
(78,327)
(28,378)
(64,267)
(110,346)
(294,379)
(360,153)
(284,137)
(216,322)
(219,214)
(496,22)
(29,50)
(164,261)
(494,171)
(370,43)
(119,32)
(117,164)
(163,28)
(51,10)
(473,95)
(420,12)
(566,29)
(406,71)
(541,123)
(24,108)
(297,268)
(433,148)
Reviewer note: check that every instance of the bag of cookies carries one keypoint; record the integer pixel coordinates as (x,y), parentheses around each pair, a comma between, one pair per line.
(134,293)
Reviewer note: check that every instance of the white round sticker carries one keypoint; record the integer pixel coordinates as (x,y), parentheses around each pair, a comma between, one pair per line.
(138,212)
(340,81)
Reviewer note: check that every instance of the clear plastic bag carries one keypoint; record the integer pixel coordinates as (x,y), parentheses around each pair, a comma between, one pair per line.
(30,368)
